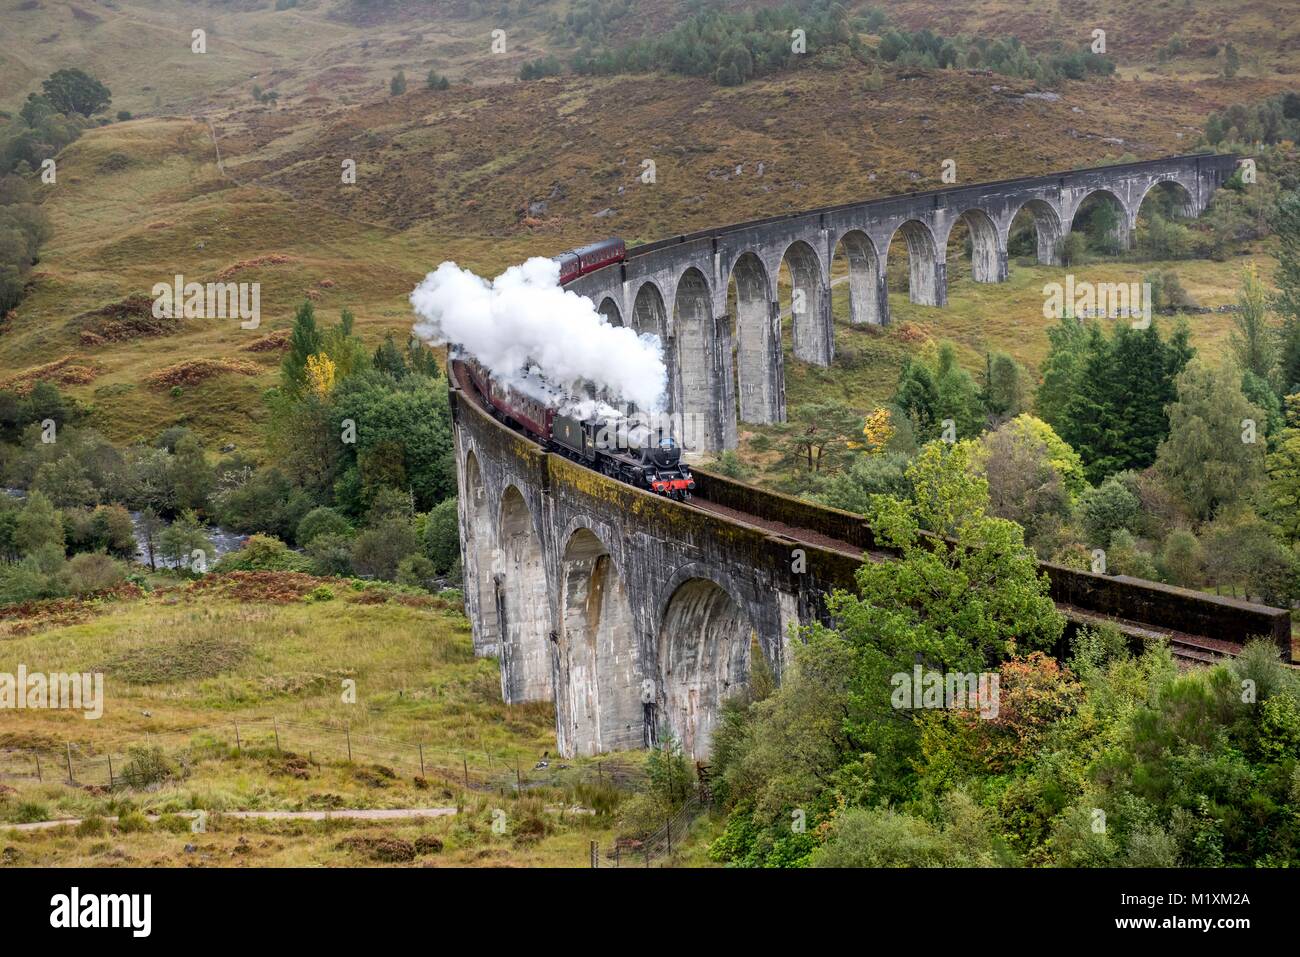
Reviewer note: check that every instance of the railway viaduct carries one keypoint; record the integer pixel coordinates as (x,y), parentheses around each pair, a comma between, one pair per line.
(633,612)
(726,368)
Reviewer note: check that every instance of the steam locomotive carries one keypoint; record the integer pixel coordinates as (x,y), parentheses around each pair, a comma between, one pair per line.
(624,450)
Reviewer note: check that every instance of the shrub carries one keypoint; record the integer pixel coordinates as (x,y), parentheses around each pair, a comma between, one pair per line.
(730,466)
(1106,509)
(1124,557)
(881,837)
(30,812)
(442,536)
(318,594)
(415,570)
(322,521)
(264,553)
(377,551)
(147,766)
(1182,560)
(92,826)
(94,571)
(132,822)
(1072,248)
(641,815)
(331,554)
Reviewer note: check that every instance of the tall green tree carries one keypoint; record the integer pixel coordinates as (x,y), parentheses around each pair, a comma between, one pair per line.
(1214,454)
(1067,355)
(75,91)
(1004,389)
(1282,491)
(933,387)
(304,341)
(818,437)
(1285,221)
(1116,418)
(917,397)
(38,525)
(1253,339)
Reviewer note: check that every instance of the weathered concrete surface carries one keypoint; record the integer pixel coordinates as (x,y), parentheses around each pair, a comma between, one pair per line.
(644,612)
(729,367)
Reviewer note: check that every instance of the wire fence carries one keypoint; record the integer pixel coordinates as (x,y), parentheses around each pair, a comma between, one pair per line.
(119,766)
(659,847)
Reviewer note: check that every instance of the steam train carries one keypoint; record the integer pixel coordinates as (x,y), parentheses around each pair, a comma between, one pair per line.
(627,451)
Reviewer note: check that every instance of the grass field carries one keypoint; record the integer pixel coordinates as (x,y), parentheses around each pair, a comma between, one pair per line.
(186,667)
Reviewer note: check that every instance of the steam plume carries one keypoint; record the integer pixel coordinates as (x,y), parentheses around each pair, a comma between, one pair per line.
(525,320)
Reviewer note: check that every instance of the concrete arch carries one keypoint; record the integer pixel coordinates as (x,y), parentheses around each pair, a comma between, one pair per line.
(648,311)
(609,309)
(1123,232)
(1047,227)
(758,361)
(1186,202)
(868,298)
(988,254)
(696,361)
(810,304)
(598,645)
(703,643)
(522,603)
(650,317)
(478,549)
(925,278)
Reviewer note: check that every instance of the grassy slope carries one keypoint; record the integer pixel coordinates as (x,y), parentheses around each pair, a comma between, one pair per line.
(197,667)
(168,212)
(142,49)
(141,201)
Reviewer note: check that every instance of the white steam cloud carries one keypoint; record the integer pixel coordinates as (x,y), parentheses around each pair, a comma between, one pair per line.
(524,320)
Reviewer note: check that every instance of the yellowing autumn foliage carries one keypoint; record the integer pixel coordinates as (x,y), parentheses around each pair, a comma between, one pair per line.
(878,430)
(320,374)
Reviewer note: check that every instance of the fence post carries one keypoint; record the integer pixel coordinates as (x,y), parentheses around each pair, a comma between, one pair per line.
(275,724)
(420,745)
(38,767)
(110,771)
(519,780)
(71,777)
(599,778)
(348,730)
(238,745)
(465,764)
(595,854)
(618,855)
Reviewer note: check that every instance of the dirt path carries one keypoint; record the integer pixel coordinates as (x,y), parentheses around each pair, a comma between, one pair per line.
(347,814)
(358,814)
